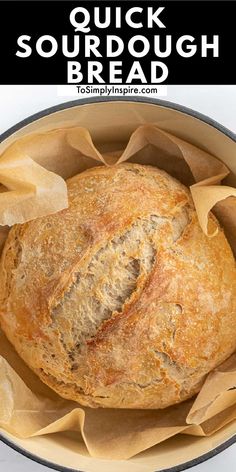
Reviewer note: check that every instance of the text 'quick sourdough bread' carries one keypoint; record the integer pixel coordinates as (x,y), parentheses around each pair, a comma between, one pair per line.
(120,300)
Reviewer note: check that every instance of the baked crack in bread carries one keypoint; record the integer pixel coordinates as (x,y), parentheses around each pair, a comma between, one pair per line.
(120,301)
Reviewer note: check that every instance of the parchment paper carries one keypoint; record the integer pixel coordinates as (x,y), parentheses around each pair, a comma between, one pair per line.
(32,173)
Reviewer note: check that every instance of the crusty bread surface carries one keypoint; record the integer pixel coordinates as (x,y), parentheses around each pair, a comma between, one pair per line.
(120,301)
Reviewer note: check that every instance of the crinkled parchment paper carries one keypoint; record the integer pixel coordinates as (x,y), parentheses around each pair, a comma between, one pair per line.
(32,173)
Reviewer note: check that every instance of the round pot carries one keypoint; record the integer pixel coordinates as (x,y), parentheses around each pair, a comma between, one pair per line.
(117,118)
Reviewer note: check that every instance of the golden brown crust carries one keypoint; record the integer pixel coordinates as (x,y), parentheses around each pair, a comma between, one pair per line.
(120,300)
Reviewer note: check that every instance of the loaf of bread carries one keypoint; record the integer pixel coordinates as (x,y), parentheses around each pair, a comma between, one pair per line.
(120,301)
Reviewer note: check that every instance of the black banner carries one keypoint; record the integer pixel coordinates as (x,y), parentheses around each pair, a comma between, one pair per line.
(91,42)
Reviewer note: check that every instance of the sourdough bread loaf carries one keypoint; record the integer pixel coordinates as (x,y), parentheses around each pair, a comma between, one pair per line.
(120,300)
